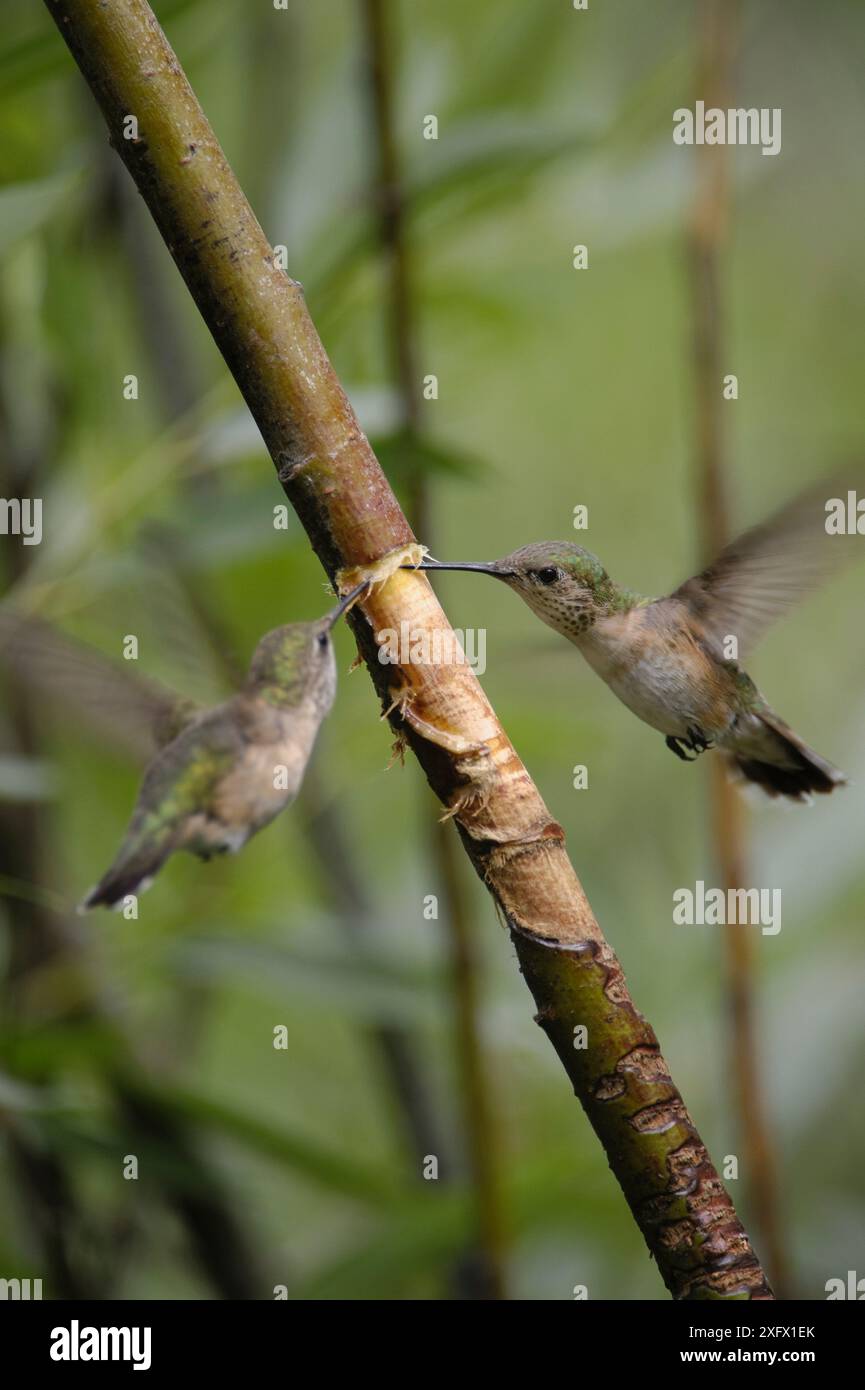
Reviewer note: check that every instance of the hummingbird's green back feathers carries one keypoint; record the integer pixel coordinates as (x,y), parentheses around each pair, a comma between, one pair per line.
(172,808)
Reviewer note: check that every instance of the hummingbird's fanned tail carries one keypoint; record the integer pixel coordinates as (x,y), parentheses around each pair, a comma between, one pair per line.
(780,763)
(131,872)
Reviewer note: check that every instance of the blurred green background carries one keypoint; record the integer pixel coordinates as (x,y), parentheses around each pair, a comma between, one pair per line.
(302,1166)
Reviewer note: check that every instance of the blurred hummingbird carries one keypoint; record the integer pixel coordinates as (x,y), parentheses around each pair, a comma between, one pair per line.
(671,660)
(224,773)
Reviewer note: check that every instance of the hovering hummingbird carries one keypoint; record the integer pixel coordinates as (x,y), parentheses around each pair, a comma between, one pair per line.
(669,659)
(224,773)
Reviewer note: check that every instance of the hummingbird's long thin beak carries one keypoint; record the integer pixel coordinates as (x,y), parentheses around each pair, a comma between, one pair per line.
(492,569)
(346,603)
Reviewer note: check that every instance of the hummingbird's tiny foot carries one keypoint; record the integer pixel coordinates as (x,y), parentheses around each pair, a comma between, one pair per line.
(678,746)
(697,739)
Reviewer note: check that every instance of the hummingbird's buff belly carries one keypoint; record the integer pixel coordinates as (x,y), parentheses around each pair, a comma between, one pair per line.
(664,677)
(668,701)
(265,780)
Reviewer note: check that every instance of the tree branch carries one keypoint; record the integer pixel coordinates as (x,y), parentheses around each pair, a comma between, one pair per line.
(718,35)
(328,471)
(485,1271)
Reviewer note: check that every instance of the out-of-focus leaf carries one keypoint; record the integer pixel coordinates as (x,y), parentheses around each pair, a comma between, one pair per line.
(31,59)
(11,887)
(233,524)
(482,167)
(25,206)
(81,1046)
(831,991)
(404,456)
(325,1167)
(516,65)
(230,438)
(38,56)
(422,1238)
(461,298)
(427,1232)
(26,779)
(487,161)
(66,1125)
(17,1096)
(363,982)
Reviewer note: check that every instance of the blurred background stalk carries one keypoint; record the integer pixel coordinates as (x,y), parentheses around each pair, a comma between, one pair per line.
(484,1272)
(35,939)
(718,32)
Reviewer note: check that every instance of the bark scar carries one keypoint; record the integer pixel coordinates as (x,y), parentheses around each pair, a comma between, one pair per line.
(380,571)
(472,761)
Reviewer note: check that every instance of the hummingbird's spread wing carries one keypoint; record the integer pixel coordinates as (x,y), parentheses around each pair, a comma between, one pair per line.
(768,569)
(179,619)
(119,703)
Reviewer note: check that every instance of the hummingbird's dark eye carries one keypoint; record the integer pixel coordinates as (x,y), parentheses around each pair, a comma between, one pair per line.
(323,639)
(549,574)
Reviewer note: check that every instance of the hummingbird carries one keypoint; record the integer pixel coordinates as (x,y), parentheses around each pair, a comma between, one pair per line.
(224,773)
(670,660)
